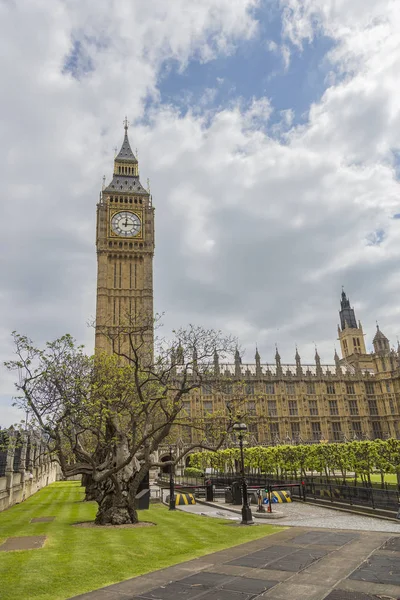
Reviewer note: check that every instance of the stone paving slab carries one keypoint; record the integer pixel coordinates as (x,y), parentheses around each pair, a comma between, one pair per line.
(392,544)
(343,595)
(277,567)
(382,591)
(324,538)
(42,519)
(26,542)
(379,569)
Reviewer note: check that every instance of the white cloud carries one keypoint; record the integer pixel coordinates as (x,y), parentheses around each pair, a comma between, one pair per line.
(257,228)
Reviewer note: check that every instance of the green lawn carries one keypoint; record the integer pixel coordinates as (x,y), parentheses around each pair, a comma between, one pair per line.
(76,559)
(376,478)
(389,477)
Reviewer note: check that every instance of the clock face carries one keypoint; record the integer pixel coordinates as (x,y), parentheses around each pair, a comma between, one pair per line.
(126,224)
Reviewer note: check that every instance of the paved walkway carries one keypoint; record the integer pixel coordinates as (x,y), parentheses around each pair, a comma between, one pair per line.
(296,564)
(303,515)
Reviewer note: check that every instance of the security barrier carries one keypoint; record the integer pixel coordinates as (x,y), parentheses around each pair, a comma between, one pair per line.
(181,499)
(277,496)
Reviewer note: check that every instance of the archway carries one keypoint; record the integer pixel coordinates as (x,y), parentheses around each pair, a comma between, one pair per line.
(167,468)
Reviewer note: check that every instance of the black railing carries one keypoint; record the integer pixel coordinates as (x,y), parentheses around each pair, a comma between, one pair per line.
(371,497)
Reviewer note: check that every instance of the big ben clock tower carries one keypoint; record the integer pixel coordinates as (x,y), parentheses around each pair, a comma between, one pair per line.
(125,249)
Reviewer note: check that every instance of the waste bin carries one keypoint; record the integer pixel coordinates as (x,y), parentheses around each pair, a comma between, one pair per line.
(142,500)
(209,491)
(228,495)
(237,492)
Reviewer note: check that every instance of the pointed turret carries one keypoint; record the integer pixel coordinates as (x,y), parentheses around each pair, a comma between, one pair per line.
(350,334)
(180,359)
(126,170)
(258,363)
(317,363)
(299,370)
(238,364)
(337,363)
(278,362)
(126,155)
(347,316)
(380,342)
(194,357)
(173,361)
(216,363)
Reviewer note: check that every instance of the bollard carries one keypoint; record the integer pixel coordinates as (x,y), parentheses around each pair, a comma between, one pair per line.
(261,507)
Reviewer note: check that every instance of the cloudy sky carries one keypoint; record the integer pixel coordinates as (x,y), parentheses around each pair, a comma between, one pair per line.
(269,130)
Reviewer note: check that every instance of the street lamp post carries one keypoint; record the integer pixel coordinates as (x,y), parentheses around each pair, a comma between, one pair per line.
(171,483)
(247,517)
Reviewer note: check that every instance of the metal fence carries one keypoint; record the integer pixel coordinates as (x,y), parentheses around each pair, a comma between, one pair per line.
(377,499)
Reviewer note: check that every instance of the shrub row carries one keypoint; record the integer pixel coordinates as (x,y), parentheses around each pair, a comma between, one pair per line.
(332,461)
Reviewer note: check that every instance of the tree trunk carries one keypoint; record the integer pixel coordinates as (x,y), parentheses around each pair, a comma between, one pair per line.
(90,488)
(116,500)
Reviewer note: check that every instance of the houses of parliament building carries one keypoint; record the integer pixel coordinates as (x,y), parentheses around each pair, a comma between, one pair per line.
(355,397)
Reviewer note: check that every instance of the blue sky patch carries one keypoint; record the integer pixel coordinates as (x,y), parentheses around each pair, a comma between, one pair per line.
(256,69)
(376,237)
(78,62)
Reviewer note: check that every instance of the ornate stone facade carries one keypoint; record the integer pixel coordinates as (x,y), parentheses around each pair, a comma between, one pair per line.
(356,397)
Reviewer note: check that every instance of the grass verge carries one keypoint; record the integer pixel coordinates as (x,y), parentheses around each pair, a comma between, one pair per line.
(78,559)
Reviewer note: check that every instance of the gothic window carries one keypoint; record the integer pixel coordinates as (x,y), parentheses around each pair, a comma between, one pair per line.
(369,388)
(330,388)
(290,389)
(206,389)
(353,406)
(208,407)
(387,386)
(313,406)
(337,431)
(270,388)
(373,408)
(391,406)
(310,388)
(251,407)
(274,429)
(376,429)
(350,388)
(295,427)
(227,388)
(272,410)
(252,428)
(187,434)
(383,364)
(333,407)
(293,410)
(356,427)
(250,388)
(186,406)
(316,430)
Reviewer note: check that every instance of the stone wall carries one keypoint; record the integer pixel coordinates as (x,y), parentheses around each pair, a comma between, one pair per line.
(25,467)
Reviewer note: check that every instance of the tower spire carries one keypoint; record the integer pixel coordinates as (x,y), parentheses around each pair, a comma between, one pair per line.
(347,316)
(258,363)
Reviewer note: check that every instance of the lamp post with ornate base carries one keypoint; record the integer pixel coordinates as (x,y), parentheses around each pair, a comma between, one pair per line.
(171,483)
(247,517)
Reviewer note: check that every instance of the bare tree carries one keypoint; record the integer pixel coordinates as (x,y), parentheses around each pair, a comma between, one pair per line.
(105,416)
